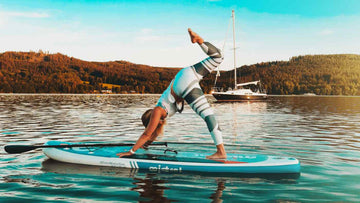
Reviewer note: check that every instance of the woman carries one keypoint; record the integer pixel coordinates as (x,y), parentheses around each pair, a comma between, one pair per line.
(185,86)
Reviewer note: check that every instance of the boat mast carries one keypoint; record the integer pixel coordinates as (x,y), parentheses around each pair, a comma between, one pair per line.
(233,18)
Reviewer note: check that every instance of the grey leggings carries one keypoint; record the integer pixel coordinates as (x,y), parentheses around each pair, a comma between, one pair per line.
(186,85)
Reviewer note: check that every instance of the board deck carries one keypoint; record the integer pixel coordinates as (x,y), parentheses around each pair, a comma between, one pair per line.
(157,161)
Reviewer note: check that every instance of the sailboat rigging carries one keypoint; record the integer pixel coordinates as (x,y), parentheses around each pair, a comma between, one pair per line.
(241,91)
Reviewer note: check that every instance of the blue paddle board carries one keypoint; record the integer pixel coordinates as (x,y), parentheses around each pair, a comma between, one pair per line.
(156,161)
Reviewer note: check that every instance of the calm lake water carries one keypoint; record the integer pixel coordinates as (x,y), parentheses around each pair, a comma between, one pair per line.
(322,132)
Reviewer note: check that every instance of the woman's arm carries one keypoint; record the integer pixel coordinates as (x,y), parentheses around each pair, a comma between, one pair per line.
(155,134)
(156,115)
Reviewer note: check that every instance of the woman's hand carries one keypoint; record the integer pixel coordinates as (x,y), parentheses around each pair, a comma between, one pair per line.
(124,154)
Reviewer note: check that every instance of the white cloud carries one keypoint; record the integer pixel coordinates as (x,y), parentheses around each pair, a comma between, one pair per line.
(148,38)
(25,14)
(260,37)
(151,36)
(3,20)
(326,32)
(146,31)
(146,35)
(6,17)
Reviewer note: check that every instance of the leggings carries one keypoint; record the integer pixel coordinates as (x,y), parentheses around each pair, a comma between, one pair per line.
(186,85)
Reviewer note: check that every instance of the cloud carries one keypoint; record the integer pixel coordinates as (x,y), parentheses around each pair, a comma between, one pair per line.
(146,31)
(8,17)
(25,14)
(326,32)
(147,35)
(149,38)
(260,36)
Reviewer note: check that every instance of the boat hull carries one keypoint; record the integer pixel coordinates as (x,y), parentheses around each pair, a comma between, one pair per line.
(235,97)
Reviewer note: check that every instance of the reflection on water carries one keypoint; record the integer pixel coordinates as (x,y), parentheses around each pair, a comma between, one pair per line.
(322,132)
(153,185)
(53,166)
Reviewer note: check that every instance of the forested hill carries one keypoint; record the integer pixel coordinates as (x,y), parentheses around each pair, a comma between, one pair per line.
(31,72)
(38,72)
(320,74)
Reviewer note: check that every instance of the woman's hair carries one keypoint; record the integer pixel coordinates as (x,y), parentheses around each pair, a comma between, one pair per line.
(145,118)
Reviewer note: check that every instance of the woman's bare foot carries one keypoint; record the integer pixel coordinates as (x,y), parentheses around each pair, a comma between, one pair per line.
(219,154)
(195,38)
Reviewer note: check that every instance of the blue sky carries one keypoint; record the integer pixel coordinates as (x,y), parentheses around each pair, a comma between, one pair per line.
(155,32)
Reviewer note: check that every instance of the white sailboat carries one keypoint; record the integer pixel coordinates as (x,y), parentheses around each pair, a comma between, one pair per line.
(241,91)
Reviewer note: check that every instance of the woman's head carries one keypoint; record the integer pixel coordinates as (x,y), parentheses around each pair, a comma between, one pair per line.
(145,118)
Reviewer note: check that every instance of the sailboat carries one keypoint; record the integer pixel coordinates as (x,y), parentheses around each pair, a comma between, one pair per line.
(243,91)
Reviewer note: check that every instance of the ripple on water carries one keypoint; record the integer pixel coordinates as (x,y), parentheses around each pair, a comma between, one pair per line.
(322,132)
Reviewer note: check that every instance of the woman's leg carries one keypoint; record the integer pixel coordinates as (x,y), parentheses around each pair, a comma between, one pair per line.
(195,97)
(198,102)
(209,64)
(188,77)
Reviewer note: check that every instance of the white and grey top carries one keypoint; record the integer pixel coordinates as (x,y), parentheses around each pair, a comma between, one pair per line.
(167,101)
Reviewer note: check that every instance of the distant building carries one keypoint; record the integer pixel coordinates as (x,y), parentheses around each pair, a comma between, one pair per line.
(309,94)
(106,91)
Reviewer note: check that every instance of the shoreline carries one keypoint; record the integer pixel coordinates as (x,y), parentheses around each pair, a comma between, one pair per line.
(150,94)
(74,94)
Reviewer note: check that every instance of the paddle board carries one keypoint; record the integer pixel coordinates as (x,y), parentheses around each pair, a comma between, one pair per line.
(171,162)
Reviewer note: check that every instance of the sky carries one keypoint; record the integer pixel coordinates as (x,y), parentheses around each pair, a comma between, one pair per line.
(154,32)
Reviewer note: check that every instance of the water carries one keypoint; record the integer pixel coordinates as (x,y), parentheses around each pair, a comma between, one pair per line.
(322,132)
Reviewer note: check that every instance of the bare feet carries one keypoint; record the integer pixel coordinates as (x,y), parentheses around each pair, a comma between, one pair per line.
(195,38)
(219,154)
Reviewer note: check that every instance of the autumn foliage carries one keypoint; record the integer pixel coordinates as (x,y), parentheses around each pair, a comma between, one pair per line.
(38,72)
(32,72)
(318,74)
